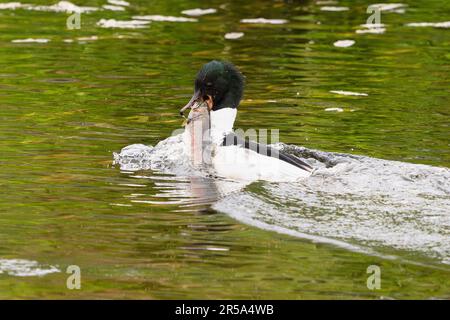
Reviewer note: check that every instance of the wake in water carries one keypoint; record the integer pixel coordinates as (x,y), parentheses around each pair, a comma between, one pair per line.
(360,203)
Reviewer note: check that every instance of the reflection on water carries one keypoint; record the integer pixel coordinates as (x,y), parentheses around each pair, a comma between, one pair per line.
(68,103)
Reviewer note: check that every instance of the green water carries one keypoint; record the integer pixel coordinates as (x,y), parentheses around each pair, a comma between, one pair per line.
(65,107)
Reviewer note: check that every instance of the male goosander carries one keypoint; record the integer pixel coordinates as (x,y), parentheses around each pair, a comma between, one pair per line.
(218,91)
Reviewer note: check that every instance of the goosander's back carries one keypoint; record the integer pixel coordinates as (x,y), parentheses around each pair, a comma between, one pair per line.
(239,163)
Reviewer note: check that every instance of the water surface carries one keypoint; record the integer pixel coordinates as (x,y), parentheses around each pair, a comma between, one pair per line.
(68,103)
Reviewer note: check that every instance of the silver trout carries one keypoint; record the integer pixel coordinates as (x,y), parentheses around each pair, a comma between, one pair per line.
(196,134)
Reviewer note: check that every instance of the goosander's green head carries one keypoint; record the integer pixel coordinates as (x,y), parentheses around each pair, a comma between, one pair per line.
(218,83)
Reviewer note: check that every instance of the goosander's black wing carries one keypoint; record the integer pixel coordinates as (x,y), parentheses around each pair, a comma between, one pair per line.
(232,139)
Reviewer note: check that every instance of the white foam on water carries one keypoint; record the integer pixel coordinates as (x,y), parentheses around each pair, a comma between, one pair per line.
(91,38)
(121,204)
(168,156)
(119,3)
(334,9)
(323,2)
(25,268)
(217,249)
(445,24)
(122,24)
(198,12)
(63,6)
(165,18)
(264,21)
(30,40)
(372,31)
(374,28)
(373,25)
(349,93)
(233,35)
(229,205)
(113,8)
(389,7)
(367,202)
(334,109)
(10,5)
(344,43)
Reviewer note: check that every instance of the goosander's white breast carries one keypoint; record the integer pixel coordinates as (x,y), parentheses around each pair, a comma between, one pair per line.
(222,122)
(236,162)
